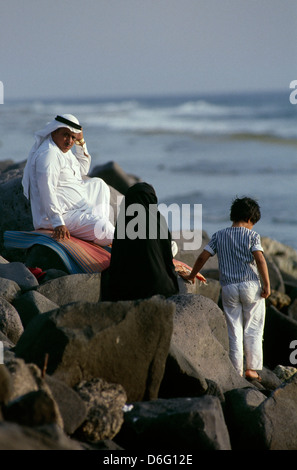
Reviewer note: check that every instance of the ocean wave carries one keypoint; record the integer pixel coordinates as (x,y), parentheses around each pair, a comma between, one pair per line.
(231,117)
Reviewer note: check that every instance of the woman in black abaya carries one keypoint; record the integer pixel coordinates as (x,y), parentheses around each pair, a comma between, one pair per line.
(141,257)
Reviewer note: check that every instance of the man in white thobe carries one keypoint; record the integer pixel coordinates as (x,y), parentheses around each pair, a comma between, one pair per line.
(54,180)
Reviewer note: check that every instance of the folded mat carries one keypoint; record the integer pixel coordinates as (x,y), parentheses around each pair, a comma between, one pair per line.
(79,256)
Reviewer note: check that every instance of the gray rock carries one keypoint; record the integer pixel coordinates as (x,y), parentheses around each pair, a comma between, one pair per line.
(186,424)
(10,321)
(79,338)
(32,303)
(275,276)
(284,257)
(72,288)
(114,176)
(181,378)
(272,425)
(15,213)
(212,289)
(199,331)
(18,273)
(72,408)
(188,251)
(238,408)
(9,290)
(105,416)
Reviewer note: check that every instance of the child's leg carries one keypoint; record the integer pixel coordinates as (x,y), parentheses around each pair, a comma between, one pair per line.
(254,317)
(233,314)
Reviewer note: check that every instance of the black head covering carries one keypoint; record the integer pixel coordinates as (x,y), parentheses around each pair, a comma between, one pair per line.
(141,266)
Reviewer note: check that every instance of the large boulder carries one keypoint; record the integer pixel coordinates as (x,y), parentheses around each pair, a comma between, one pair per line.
(270,423)
(72,288)
(200,333)
(115,176)
(122,342)
(15,214)
(10,321)
(186,424)
(279,332)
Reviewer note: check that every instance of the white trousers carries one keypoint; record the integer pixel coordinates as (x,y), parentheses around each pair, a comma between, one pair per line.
(244,310)
(91,221)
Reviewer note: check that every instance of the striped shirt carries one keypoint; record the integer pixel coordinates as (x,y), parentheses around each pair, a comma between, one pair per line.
(234,247)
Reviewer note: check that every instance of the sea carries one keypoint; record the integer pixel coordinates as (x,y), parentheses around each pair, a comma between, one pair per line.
(200,150)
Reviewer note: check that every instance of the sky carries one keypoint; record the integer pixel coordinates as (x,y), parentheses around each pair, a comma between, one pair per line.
(104,48)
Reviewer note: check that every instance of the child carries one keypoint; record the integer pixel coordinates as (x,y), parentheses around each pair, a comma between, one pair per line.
(241,265)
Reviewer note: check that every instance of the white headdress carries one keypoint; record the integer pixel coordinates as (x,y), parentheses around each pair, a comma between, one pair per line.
(63,120)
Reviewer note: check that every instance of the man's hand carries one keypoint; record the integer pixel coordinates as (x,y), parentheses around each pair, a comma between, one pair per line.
(79,139)
(61,232)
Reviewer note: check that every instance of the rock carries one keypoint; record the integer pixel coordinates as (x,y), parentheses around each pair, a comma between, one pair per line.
(201,343)
(18,273)
(79,338)
(15,214)
(5,385)
(238,408)
(32,303)
(72,288)
(186,424)
(212,289)
(273,424)
(5,165)
(275,276)
(48,437)
(279,332)
(10,322)
(284,257)
(9,290)
(284,373)
(33,409)
(114,176)
(72,408)
(292,310)
(279,300)
(181,378)
(25,377)
(190,245)
(105,416)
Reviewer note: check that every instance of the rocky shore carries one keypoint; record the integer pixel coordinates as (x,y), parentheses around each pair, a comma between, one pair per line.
(148,375)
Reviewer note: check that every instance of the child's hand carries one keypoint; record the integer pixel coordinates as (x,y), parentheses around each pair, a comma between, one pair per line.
(265,292)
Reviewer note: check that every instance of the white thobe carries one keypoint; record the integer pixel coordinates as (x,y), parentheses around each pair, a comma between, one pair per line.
(60,195)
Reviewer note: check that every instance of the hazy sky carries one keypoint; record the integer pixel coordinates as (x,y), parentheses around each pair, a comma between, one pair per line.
(122,47)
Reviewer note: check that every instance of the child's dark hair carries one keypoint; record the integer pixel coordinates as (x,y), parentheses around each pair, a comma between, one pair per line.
(245,209)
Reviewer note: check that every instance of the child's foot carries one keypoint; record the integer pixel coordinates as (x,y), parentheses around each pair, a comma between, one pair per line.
(251,374)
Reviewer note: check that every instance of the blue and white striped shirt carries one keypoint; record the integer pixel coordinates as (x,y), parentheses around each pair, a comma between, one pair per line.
(234,247)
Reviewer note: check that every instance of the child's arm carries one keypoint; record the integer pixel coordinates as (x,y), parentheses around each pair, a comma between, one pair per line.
(199,263)
(263,270)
